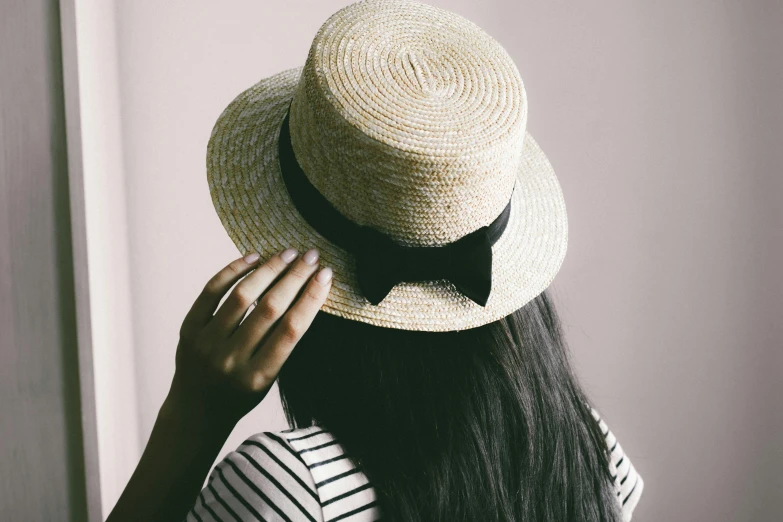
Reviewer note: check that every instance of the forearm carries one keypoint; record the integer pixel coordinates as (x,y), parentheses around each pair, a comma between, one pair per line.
(172,469)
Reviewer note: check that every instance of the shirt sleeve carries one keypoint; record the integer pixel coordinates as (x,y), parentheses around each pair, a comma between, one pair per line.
(627,481)
(263,479)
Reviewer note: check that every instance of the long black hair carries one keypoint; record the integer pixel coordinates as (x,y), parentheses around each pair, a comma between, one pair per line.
(486,424)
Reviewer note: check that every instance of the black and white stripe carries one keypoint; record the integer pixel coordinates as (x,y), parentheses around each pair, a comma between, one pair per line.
(264,479)
(292,475)
(305,475)
(344,490)
(628,483)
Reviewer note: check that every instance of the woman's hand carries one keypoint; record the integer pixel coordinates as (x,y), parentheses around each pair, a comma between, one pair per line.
(226,365)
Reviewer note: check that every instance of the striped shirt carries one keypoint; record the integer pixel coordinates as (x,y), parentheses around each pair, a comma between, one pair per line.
(305,475)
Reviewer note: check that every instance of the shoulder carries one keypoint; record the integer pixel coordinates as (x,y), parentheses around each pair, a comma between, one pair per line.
(628,482)
(342,486)
(295,474)
(263,479)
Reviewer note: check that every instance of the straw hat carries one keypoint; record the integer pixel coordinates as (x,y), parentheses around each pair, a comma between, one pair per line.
(399,150)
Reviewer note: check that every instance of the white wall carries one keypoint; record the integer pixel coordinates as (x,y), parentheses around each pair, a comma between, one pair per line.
(663,121)
(106,219)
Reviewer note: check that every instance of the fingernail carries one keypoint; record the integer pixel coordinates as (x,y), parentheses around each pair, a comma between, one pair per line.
(251,258)
(310,257)
(324,276)
(288,255)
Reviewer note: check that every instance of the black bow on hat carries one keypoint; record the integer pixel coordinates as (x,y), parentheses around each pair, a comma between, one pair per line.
(381,264)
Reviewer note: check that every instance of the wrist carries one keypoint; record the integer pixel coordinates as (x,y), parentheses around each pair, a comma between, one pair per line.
(177,413)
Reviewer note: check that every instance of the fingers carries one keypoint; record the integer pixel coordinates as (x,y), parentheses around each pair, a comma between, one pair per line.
(247,291)
(267,362)
(274,304)
(209,298)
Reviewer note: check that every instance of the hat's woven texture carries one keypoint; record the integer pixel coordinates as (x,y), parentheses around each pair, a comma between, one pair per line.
(410,119)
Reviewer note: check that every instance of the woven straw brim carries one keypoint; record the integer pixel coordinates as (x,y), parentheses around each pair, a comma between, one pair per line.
(251,199)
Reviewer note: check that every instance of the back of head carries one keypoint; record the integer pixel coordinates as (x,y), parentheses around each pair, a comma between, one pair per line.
(483,424)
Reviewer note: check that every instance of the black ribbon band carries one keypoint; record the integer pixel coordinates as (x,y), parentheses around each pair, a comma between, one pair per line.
(381,262)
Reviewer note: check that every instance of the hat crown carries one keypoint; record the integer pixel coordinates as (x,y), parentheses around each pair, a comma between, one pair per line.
(410,119)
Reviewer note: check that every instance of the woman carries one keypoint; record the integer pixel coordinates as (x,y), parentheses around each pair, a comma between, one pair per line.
(436,386)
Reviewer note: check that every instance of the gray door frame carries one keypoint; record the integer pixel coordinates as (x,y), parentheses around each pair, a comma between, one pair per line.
(48,435)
